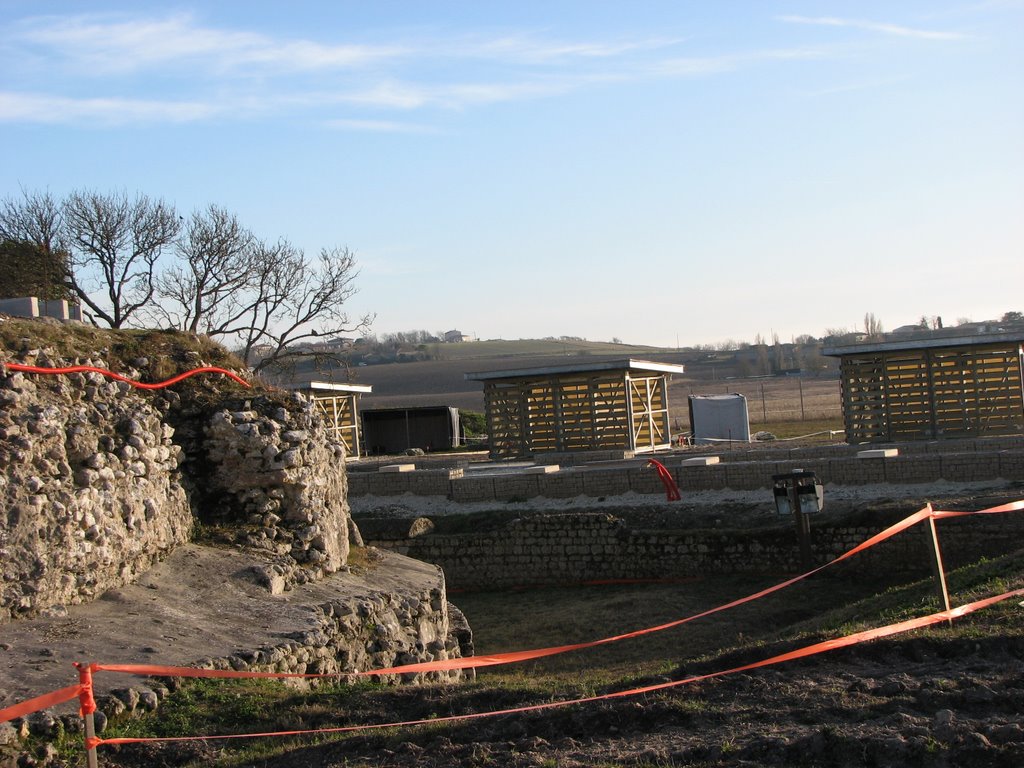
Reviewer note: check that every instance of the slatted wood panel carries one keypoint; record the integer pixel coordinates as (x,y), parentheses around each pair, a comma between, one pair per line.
(562,413)
(925,394)
(340,414)
(505,405)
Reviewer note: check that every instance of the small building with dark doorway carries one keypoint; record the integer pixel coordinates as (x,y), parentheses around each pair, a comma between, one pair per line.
(614,405)
(396,430)
(932,388)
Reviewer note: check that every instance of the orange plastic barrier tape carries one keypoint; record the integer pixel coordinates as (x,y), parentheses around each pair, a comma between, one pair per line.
(474,662)
(119,377)
(1013,506)
(45,701)
(809,650)
(502,658)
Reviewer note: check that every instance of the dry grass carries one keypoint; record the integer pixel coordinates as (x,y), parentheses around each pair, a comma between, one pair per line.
(770,401)
(506,621)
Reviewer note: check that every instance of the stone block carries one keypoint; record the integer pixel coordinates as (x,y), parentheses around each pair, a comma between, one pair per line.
(878,453)
(1011,464)
(519,486)
(920,468)
(55,308)
(27,306)
(700,461)
(391,468)
(542,469)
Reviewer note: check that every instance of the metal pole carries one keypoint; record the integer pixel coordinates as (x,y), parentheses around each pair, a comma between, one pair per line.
(937,570)
(803,527)
(91,760)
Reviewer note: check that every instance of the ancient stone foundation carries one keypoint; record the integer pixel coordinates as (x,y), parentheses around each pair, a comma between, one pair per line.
(571,548)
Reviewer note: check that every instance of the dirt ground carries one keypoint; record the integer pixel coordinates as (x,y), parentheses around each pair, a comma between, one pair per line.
(917,702)
(904,701)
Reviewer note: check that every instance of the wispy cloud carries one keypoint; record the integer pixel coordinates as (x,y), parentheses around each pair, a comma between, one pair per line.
(105,67)
(528,49)
(47,109)
(874,26)
(112,46)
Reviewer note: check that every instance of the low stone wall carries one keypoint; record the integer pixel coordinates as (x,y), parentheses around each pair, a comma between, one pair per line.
(394,611)
(971,461)
(375,632)
(571,548)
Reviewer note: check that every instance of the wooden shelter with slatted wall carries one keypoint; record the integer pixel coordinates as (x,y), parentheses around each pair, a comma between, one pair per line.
(616,405)
(339,405)
(932,388)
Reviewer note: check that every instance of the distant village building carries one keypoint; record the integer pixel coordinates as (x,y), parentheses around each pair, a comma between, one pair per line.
(932,387)
(454,337)
(332,346)
(615,405)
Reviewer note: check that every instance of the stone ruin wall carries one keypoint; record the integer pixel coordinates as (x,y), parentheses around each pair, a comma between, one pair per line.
(90,491)
(272,476)
(99,480)
(549,549)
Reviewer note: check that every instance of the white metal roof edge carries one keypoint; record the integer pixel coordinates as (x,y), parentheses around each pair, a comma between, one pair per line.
(610,365)
(923,343)
(332,386)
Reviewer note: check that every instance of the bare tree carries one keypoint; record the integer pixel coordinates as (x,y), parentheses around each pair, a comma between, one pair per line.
(269,301)
(114,244)
(872,326)
(36,218)
(296,300)
(201,291)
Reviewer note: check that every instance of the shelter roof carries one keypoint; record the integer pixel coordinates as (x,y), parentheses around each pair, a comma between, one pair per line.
(641,366)
(328,386)
(932,342)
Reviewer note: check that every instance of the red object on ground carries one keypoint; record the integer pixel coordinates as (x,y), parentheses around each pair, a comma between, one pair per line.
(671,489)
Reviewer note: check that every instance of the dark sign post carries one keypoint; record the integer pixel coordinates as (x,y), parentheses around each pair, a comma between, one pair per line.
(799,493)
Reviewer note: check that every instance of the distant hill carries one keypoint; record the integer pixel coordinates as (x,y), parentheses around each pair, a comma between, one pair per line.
(442,381)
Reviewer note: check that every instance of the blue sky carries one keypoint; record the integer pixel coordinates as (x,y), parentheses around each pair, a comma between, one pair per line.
(652,171)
